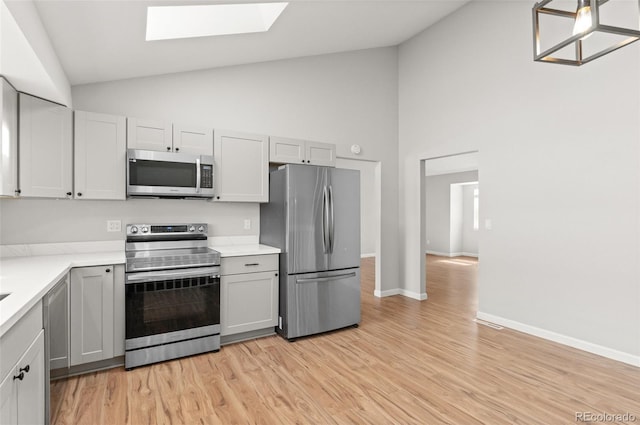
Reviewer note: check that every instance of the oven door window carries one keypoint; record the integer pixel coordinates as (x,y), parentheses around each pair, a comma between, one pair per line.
(171,305)
(162,173)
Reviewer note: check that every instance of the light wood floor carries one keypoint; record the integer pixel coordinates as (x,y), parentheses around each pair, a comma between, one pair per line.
(409,362)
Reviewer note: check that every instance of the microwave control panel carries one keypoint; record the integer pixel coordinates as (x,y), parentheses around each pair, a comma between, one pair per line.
(206,176)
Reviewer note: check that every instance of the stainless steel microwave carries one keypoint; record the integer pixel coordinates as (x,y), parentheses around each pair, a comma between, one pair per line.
(169,174)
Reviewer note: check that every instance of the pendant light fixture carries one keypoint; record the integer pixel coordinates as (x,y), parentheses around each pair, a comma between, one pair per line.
(583,17)
(586,23)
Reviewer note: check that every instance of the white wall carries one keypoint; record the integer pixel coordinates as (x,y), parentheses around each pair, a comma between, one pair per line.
(25,221)
(369,207)
(560,161)
(341,98)
(469,234)
(438,211)
(27,58)
(455,219)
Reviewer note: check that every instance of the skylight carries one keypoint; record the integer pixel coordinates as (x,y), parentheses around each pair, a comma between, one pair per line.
(168,22)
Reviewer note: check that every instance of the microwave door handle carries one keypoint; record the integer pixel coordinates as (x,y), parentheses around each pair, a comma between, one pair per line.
(198,175)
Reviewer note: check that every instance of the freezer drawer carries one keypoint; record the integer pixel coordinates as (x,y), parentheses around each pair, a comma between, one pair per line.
(320,302)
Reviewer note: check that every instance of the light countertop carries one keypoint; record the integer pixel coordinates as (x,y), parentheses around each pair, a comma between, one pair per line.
(241,250)
(28,272)
(29,278)
(236,246)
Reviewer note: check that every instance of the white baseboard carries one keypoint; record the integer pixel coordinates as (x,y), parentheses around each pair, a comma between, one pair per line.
(400,291)
(415,295)
(367,255)
(387,293)
(452,254)
(438,253)
(563,339)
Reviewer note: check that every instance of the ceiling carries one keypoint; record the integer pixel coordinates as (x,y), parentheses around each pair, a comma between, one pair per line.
(104,40)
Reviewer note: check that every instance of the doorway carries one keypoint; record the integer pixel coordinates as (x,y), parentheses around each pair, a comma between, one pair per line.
(370,205)
(450,204)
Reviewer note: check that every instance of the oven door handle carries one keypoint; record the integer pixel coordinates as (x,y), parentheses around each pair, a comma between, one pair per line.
(155,276)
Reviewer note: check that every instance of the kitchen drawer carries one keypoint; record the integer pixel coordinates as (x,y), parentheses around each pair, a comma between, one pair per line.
(248,264)
(16,340)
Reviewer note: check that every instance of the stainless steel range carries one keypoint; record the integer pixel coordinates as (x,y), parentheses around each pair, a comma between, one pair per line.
(172,293)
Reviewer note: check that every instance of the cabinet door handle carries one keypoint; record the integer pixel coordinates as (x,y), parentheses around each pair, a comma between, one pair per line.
(251,264)
(177,149)
(168,148)
(69,193)
(79,193)
(276,274)
(25,369)
(108,270)
(20,376)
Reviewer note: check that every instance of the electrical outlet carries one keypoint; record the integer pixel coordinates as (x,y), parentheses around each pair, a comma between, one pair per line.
(247,224)
(114,226)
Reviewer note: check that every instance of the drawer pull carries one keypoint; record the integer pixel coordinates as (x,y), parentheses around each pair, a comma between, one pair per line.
(251,264)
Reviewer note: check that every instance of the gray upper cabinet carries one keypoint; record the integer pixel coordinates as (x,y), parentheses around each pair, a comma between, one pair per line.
(193,140)
(91,312)
(45,145)
(321,154)
(8,139)
(241,167)
(164,136)
(149,135)
(100,150)
(283,150)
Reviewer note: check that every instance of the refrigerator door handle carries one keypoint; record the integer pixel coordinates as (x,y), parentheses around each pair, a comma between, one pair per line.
(331,223)
(325,279)
(325,221)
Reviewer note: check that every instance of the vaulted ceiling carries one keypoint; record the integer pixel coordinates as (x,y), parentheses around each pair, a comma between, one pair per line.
(103,40)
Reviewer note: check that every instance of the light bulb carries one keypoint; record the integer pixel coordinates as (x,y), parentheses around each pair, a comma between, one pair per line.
(583,17)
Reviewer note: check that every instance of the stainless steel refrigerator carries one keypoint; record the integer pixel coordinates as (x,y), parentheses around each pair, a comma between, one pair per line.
(313,216)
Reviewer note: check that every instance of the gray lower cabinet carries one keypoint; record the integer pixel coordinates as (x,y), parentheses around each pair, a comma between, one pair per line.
(22,386)
(248,293)
(85,318)
(57,305)
(91,313)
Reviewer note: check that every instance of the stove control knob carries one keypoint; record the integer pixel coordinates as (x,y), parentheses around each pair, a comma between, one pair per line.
(192,229)
(201,229)
(134,229)
(145,229)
